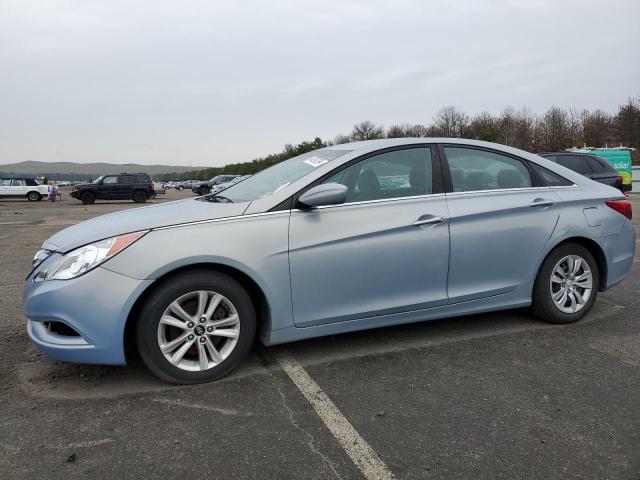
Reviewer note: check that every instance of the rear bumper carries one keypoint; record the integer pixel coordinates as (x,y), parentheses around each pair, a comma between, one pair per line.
(620,252)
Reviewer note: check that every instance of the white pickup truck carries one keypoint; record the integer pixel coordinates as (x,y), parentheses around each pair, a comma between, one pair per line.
(23,188)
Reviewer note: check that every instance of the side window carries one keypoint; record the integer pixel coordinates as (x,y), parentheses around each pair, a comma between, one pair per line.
(142,179)
(18,182)
(575,163)
(5,182)
(473,170)
(550,178)
(108,180)
(400,173)
(128,179)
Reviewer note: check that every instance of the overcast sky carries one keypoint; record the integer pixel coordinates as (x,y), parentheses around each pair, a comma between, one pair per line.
(214,82)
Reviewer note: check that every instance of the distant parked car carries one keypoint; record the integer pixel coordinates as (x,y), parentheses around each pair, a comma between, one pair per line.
(125,186)
(213,185)
(185,184)
(23,188)
(591,166)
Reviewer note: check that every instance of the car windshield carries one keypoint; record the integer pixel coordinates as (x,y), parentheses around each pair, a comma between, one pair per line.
(272,179)
(97,180)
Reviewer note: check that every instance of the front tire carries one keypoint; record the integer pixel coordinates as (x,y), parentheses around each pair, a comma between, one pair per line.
(203,191)
(195,327)
(34,197)
(566,286)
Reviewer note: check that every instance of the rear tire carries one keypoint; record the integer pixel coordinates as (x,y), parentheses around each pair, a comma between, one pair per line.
(34,197)
(151,333)
(88,198)
(566,286)
(139,196)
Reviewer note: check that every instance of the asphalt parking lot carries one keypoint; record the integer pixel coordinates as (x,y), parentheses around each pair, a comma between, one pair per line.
(488,396)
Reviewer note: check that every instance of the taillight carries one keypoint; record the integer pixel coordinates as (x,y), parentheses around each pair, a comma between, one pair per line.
(621,206)
(618,181)
(152,186)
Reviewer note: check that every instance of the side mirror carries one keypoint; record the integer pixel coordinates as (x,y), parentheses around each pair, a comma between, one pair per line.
(325,194)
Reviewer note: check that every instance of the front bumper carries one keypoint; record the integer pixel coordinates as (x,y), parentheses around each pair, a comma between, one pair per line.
(95,305)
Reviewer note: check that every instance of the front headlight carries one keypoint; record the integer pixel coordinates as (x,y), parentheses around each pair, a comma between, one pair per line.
(83,259)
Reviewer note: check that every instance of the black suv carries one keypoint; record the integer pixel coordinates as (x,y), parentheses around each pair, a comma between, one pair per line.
(125,186)
(591,166)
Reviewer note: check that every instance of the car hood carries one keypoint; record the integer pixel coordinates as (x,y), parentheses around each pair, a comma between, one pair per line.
(144,218)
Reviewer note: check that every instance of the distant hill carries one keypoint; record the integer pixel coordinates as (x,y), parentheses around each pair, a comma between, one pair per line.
(80,171)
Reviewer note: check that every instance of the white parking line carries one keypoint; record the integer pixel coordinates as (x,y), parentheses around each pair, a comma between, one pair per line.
(360,452)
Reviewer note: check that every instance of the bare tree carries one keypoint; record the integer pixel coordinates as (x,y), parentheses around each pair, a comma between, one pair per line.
(484,127)
(553,130)
(366,131)
(397,131)
(596,128)
(406,130)
(450,122)
(341,138)
(626,123)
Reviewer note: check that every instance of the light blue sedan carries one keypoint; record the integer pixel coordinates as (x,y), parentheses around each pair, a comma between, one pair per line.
(345,238)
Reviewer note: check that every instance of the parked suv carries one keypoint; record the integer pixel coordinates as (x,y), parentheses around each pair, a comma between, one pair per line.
(202,188)
(125,186)
(23,188)
(591,166)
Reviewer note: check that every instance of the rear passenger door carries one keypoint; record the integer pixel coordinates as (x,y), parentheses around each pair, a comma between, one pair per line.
(125,186)
(501,220)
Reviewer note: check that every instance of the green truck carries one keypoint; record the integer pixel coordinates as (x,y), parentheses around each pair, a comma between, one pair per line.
(618,157)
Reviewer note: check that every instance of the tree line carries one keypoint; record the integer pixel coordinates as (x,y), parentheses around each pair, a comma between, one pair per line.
(555,130)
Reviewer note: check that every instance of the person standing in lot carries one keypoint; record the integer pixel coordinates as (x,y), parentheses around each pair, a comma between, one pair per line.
(53,192)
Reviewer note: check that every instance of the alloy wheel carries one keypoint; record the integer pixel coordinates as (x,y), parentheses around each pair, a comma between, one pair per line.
(198,330)
(571,284)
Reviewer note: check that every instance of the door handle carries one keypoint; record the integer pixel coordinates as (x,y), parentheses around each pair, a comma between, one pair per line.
(428,220)
(541,202)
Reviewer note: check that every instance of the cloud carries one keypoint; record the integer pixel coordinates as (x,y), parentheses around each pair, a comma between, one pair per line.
(225,81)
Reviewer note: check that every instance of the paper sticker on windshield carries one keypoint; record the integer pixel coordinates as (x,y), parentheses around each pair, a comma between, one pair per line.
(315,161)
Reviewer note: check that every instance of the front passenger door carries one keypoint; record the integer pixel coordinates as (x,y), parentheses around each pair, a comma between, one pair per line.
(384,251)
(109,188)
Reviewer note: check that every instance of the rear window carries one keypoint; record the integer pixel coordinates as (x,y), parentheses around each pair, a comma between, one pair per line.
(574,162)
(600,165)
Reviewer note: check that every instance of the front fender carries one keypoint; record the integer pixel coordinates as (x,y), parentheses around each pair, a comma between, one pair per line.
(257,246)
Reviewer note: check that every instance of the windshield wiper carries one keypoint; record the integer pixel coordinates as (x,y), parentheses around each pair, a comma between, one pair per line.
(217,199)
